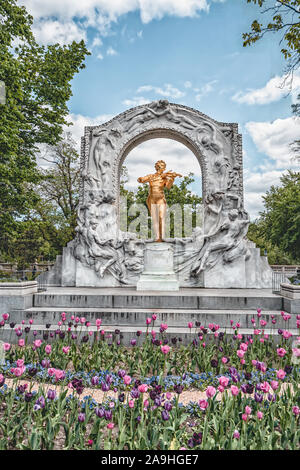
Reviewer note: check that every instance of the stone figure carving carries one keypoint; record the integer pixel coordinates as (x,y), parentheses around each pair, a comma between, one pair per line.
(234,178)
(156,201)
(219,241)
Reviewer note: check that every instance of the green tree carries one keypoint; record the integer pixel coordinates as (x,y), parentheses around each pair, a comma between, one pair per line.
(38,87)
(278,227)
(50,225)
(282,16)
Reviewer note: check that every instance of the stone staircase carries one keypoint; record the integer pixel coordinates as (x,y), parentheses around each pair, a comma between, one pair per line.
(126,309)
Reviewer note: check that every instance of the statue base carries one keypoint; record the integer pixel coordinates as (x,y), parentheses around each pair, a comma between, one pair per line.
(158,274)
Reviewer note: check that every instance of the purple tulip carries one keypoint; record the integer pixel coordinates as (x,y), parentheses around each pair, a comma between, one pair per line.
(165,415)
(95,380)
(51,394)
(81,417)
(100,412)
(108,415)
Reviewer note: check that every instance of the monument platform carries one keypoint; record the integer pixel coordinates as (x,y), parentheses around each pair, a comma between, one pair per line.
(126,309)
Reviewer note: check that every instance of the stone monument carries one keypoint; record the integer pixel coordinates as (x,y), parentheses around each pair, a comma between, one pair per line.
(219,255)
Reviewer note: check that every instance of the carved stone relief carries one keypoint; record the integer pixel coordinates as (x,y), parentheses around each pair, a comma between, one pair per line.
(103,252)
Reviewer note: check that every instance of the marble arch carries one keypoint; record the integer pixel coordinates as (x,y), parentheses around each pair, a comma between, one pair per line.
(102,255)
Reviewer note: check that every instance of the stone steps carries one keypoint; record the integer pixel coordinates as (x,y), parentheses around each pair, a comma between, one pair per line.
(191,299)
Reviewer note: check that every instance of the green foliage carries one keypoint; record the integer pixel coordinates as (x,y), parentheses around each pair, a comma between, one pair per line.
(50,225)
(38,87)
(283,16)
(278,227)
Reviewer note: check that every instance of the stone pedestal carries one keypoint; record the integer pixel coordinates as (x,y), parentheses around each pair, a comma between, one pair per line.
(158,271)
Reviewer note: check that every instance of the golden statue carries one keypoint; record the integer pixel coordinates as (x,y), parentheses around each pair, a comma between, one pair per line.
(156,201)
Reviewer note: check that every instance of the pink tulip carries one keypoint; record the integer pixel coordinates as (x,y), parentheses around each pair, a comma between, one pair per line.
(37,343)
(244,417)
(5,316)
(234,390)
(248,410)
(223,381)
(131,403)
(21,342)
(286,334)
(190,325)
(260,415)
(110,426)
(66,349)
(265,387)
(127,379)
(18,371)
(154,317)
(30,321)
(203,404)
(165,349)
(281,352)
(20,362)
(210,391)
(51,371)
(296,410)
(240,353)
(280,374)
(274,384)
(164,326)
(48,349)
(98,322)
(82,320)
(6,346)
(221,388)
(148,321)
(243,346)
(236,434)
(143,388)
(224,360)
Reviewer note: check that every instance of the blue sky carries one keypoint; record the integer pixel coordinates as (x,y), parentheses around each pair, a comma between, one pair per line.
(190,52)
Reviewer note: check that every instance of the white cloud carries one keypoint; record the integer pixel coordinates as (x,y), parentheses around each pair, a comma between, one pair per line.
(149,9)
(275,89)
(136,101)
(187,84)
(79,122)
(49,32)
(140,161)
(168,91)
(97,42)
(111,51)
(100,56)
(205,89)
(273,138)
(101,13)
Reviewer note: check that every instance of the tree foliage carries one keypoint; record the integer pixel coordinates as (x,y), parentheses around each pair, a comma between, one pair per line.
(38,87)
(283,16)
(278,227)
(50,225)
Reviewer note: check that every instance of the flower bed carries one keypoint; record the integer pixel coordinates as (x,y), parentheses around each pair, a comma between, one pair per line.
(250,389)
